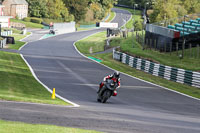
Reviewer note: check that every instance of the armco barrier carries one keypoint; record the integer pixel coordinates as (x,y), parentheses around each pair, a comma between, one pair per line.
(170,73)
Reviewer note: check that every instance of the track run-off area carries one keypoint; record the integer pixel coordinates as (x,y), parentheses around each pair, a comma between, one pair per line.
(140,107)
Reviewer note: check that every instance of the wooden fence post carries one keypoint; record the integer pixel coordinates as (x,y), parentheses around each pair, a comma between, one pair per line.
(170,48)
(177,48)
(198,51)
(150,43)
(165,47)
(155,44)
(190,50)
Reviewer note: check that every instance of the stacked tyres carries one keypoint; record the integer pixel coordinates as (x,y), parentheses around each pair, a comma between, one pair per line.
(170,73)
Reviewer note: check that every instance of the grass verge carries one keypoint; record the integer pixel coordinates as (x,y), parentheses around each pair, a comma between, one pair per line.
(173,60)
(92,44)
(18,36)
(18,84)
(16,46)
(108,61)
(111,17)
(136,15)
(19,127)
(28,24)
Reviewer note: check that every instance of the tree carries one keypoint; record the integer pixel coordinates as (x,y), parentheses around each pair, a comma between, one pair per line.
(58,10)
(53,9)
(78,8)
(164,9)
(38,8)
(137,25)
(192,6)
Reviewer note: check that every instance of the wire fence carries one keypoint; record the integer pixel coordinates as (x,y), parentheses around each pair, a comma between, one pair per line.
(178,48)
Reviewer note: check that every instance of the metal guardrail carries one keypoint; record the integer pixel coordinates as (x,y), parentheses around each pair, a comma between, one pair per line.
(170,73)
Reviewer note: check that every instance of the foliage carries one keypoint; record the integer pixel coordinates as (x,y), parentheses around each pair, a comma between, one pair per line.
(38,8)
(36,20)
(52,9)
(69,10)
(27,19)
(137,25)
(98,10)
(167,9)
(78,8)
(164,10)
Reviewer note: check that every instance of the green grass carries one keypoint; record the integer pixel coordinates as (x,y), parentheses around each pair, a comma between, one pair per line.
(18,84)
(28,24)
(136,15)
(162,58)
(15,46)
(19,127)
(108,61)
(112,15)
(126,45)
(18,36)
(92,44)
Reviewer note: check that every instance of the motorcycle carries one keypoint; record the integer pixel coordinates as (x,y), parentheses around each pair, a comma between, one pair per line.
(107,91)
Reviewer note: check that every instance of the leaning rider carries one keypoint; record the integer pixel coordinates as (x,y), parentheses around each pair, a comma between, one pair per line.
(115,78)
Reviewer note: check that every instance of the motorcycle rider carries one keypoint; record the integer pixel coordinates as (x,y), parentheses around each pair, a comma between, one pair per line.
(115,78)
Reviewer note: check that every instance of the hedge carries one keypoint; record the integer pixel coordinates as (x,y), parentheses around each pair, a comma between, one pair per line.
(27,19)
(36,20)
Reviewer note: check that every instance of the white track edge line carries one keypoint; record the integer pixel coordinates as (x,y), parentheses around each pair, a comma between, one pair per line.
(29,103)
(130,75)
(34,75)
(26,37)
(113,17)
(26,42)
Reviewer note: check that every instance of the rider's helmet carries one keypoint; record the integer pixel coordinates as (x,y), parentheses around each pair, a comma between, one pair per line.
(116,74)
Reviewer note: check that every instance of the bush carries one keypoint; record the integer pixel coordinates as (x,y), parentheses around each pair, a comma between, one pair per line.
(27,19)
(48,21)
(36,20)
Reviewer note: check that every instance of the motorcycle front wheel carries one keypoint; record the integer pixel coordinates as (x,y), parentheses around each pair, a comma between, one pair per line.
(106,95)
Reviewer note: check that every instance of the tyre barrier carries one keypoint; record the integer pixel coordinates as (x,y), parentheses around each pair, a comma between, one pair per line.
(170,73)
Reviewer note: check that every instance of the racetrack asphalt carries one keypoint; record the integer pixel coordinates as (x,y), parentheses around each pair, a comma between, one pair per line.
(140,107)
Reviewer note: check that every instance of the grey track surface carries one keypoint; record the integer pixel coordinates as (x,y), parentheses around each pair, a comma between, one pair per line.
(140,107)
